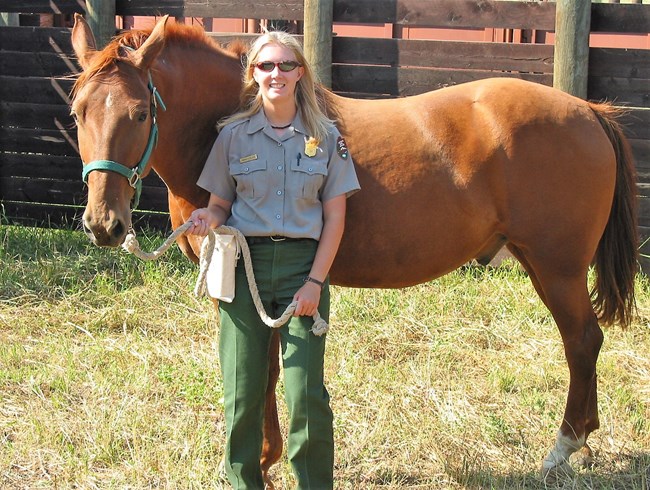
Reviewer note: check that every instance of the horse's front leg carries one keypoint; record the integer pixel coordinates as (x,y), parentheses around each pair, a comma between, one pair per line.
(272,445)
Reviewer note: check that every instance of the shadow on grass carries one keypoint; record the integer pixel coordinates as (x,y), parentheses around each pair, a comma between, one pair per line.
(626,471)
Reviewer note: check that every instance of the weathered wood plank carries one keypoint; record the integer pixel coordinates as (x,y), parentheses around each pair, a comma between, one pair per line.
(44,116)
(54,142)
(53,191)
(46,166)
(36,39)
(444,54)
(35,90)
(610,17)
(644,219)
(448,13)
(641,151)
(633,92)
(68,192)
(42,6)
(36,64)
(42,166)
(621,63)
(260,9)
(636,123)
(410,81)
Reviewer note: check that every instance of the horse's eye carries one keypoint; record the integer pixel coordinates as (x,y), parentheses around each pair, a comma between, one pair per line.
(142,117)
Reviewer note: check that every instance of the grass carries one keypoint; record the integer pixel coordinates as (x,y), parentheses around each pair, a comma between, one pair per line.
(109,378)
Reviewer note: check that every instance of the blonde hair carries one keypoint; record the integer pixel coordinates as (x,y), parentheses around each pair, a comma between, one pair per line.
(308,95)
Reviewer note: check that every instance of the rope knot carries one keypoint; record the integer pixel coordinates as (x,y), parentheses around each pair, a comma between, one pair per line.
(320,326)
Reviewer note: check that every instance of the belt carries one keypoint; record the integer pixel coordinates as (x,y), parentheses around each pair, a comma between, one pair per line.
(274,238)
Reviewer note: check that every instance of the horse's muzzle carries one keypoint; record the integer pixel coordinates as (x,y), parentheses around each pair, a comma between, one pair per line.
(107,233)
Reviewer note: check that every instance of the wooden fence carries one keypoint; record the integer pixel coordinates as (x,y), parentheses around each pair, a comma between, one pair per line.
(40,167)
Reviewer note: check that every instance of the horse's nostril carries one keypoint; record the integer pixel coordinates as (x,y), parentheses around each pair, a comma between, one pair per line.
(117,229)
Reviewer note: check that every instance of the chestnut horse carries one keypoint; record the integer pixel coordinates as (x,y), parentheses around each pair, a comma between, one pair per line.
(446,177)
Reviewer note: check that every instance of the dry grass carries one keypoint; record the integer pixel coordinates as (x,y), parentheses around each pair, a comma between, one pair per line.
(109,378)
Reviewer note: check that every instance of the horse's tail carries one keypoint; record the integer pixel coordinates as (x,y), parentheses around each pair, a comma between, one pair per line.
(616,260)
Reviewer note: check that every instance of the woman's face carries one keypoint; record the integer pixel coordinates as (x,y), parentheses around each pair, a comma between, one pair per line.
(276,85)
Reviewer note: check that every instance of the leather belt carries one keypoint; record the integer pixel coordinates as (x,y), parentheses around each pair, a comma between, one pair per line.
(273,238)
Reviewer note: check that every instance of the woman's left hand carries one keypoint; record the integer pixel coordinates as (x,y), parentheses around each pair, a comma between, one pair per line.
(308,298)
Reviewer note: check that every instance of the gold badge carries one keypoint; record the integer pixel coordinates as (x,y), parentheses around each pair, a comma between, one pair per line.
(249,158)
(311,146)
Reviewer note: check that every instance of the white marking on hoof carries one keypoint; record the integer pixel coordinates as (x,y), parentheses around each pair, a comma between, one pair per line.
(558,458)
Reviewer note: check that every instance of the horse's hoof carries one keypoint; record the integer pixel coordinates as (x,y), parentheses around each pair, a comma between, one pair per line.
(557,474)
(582,458)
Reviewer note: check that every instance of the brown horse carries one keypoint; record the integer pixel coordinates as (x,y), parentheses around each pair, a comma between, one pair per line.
(446,177)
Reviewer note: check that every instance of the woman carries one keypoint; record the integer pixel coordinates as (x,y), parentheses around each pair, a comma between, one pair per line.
(279,172)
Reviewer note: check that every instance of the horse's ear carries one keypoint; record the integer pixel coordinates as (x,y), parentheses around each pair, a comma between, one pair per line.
(83,41)
(144,57)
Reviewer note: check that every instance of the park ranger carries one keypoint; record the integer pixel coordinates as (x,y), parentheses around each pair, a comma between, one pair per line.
(280,172)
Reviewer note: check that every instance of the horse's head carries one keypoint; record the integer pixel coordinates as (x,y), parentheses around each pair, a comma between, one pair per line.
(114,105)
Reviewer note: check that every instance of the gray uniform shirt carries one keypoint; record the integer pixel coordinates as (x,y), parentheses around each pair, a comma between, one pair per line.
(277,184)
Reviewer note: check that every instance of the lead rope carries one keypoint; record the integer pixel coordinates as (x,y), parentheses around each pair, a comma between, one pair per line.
(207,247)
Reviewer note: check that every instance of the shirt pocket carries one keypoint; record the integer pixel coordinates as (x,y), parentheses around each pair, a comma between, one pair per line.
(308,175)
(250,178)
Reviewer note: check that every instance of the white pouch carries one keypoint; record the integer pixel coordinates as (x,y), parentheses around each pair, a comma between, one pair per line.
(220,276)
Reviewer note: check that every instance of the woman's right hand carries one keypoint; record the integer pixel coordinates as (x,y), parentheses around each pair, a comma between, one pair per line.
(204,219)
(210,217)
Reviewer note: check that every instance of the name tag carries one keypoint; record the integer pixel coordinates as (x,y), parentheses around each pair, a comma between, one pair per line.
(249,158)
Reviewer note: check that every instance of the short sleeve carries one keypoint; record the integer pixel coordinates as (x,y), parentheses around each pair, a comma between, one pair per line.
(341,175)
(215,177)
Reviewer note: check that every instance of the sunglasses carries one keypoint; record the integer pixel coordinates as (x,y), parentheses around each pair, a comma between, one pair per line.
(284,66)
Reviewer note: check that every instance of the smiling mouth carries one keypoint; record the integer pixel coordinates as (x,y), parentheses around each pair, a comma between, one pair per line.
(277,85)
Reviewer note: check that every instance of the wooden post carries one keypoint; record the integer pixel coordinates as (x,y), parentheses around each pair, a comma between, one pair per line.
(571,59)
(318,38)
(100,15)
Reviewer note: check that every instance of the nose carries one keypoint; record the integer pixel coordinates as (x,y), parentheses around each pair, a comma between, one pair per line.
(109,232)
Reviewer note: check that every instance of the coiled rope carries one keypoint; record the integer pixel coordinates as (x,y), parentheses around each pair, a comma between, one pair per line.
(207,248)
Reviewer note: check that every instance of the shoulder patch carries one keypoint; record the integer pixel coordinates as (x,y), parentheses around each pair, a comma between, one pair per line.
(341,148)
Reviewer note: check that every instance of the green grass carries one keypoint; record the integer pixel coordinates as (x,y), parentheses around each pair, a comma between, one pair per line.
(109,378)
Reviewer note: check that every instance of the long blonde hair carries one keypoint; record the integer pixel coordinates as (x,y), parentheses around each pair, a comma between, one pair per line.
(308,95)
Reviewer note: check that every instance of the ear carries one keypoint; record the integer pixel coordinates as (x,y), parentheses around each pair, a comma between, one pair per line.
(144,57)
(83,41)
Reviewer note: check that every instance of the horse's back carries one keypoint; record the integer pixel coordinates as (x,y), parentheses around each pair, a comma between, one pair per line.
(450,175)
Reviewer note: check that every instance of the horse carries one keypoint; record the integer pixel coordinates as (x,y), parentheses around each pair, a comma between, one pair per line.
(447,176)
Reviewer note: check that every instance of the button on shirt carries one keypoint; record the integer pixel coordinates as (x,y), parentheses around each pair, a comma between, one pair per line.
(274,186)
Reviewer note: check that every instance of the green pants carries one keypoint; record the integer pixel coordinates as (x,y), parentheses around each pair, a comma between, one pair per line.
(244,346)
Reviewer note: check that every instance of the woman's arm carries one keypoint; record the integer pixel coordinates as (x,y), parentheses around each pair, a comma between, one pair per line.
(308,296)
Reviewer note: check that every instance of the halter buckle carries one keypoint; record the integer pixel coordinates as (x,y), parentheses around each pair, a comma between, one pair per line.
(135,177)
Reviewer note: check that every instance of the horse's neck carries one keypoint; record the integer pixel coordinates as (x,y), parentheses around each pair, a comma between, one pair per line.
(199,87)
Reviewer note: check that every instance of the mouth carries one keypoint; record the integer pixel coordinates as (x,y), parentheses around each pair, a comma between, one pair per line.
(277,86)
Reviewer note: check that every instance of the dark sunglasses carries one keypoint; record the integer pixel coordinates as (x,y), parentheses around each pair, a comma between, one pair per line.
(284,66)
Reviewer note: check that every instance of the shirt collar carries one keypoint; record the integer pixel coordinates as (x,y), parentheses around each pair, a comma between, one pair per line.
(258,121)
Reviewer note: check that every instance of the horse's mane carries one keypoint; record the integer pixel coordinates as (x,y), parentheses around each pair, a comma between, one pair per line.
(179,34)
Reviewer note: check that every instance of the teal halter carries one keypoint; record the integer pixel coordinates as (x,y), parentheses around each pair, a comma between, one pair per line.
(133,175)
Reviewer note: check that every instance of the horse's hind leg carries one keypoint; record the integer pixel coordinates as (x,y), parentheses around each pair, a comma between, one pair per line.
(272,445)
(565,294)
